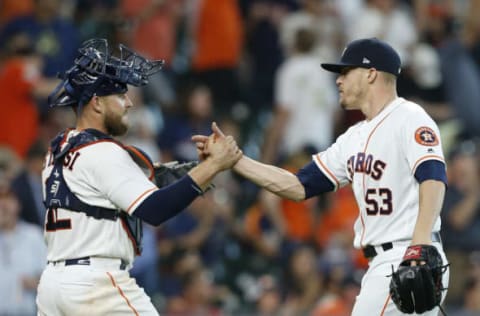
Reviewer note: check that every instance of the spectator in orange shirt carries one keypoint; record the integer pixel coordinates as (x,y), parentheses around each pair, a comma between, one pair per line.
(335,224)
(217,38)
(338,218)
(298,218)
(154,26)
(12,8)
(20,83)
(275,233)
(151,28)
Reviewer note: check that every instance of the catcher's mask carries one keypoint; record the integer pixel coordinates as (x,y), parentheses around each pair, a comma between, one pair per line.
(97,72)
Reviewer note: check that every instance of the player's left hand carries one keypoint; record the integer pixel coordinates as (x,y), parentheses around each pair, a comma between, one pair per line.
(201,144)
(167,173)
(417,286)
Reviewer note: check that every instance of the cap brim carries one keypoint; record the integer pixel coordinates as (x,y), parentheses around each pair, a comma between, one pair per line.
(337,68)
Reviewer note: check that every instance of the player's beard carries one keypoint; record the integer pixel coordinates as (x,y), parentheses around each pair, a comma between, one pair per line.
(114,123)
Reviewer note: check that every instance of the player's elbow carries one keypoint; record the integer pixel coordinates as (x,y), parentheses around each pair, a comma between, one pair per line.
(167,202)
(298,197)
(296,193)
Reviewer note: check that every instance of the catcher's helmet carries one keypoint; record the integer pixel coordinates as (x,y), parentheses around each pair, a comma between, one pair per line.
(97,72)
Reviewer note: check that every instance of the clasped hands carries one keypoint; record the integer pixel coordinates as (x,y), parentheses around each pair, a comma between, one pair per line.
(222,150)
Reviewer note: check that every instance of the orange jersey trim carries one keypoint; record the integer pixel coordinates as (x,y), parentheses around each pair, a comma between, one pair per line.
(138,198)
(330,174)
(144,159)
(363,177)
(427,157)
(126,148)
(122,294)
(385,306)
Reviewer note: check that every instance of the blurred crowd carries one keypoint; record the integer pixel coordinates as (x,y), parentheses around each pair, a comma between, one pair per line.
(254,67)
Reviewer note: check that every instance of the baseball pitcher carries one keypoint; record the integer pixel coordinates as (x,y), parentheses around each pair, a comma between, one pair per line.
(394,162)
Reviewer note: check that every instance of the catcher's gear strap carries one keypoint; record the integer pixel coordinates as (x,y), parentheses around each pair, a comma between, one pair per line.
(59,195)
(172,198)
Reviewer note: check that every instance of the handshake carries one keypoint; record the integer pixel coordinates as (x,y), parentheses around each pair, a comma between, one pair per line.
(218,150)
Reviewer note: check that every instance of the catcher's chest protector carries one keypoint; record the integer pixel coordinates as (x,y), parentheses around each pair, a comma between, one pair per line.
(59,195)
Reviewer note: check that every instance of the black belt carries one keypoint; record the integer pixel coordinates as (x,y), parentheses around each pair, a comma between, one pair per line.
(369,251)
(78,261)
(85,261)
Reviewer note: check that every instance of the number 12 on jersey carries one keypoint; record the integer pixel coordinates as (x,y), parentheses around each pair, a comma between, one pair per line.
(53,223)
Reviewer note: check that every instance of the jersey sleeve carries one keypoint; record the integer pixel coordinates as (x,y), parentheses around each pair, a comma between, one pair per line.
(333,162)
(118,177)
(421,140)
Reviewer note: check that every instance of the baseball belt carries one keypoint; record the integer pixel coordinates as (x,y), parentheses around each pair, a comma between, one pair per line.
(86,261)
(370,251)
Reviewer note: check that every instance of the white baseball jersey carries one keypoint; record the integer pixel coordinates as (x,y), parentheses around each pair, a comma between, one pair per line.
(379,158)
(100,174)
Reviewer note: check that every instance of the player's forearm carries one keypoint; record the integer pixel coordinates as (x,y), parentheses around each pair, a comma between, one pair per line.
(274,179)
(430,203)
(168,201)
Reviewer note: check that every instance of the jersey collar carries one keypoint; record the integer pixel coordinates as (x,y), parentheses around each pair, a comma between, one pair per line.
(387,110)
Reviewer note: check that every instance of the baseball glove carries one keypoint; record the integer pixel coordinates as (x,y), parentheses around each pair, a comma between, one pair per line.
(418,288)
(167,173)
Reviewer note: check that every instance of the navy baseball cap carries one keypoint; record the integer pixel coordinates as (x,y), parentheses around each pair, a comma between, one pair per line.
(368,53)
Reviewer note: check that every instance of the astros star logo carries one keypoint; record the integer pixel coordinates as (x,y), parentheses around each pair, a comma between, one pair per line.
(426,136)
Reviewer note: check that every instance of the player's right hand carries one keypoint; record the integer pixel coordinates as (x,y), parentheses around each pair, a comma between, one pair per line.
(223,150)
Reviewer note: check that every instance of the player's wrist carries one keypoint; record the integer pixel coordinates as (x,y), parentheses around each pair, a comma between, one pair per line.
(238,165)
(421,236)
(215,164)
(203,173)
(424,240)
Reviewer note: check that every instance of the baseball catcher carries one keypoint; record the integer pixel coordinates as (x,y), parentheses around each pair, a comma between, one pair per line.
(418,288)
(98,191)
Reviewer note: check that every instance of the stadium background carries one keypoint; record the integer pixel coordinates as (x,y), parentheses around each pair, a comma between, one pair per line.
(239,250)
